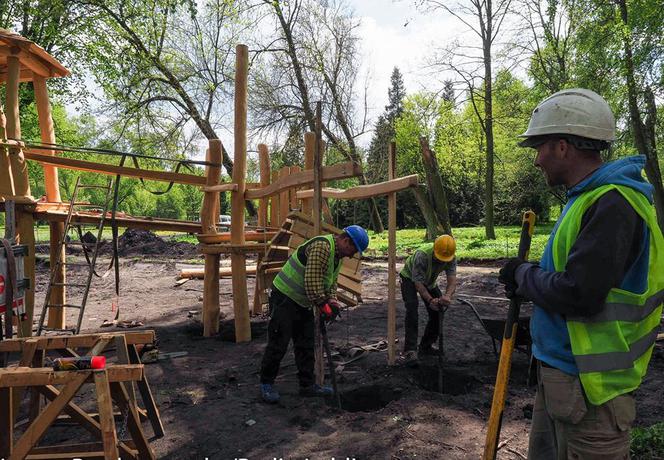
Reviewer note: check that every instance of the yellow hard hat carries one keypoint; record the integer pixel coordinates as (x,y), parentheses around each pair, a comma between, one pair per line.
(444,248)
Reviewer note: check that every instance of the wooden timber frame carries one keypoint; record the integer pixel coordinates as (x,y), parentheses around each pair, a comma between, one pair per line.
(114,384)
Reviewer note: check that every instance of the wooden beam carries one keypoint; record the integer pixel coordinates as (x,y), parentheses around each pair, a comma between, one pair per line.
(284,203)
(233,249)
(224,272)
(362,192)
(75,341)
(106,420)
(28,376)
(128,409)
(47,132)
(6,178)
(238,259)
(19,166)
(225,237)
(209,209)
(275,218)
(309,150)
(151,408)
(111,170)
(27,60)
(304,178)
(391,261)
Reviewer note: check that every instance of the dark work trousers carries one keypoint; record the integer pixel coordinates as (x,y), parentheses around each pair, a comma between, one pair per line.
(289,320)
(409,294)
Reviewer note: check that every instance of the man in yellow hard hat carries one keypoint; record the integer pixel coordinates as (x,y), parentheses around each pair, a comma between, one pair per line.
(420,276)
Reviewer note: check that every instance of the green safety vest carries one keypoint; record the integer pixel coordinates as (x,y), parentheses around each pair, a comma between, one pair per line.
(290,280)
(612,348)
(432,274)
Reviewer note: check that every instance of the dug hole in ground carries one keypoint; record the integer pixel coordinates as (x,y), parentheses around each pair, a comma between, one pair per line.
(209,398)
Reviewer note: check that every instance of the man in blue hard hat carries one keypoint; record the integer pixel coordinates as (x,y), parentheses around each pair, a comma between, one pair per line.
(306,285)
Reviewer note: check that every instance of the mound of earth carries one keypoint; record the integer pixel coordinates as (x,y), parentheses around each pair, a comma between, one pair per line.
(139,242)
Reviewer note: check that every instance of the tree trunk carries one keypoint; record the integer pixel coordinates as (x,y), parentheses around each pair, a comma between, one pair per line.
(436,191)
(488,127)
(434,227)
(644,134)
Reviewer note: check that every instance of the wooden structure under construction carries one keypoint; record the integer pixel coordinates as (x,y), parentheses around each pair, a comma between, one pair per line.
(278,193)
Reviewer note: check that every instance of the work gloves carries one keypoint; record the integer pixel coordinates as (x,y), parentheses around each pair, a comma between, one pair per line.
(329,311)
(506,276)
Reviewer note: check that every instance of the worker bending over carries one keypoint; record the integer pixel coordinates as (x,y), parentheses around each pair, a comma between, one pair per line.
(599,287)
(304,286)
(420,276)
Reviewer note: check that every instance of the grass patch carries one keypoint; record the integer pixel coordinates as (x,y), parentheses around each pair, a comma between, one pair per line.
(471,242)
(648,443)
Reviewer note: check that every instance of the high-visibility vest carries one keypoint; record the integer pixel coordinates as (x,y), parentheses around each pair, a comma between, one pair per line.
(612,349)
(432,275)
(290,280)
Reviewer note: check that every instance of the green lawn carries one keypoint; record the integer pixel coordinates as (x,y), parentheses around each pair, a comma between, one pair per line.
(471,243)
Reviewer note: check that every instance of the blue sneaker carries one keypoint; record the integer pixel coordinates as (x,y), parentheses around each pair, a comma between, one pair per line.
(269,393)
(316,390)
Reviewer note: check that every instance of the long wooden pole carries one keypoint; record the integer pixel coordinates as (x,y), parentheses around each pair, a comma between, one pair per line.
(6,179)
(56,316)
(283,196)
(264,164)
(392,262)
(319,369)
(309,151)
(275,218)
(209,220)
(238,259)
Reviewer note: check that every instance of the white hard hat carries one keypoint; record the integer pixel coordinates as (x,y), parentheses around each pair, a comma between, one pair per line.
(577,112)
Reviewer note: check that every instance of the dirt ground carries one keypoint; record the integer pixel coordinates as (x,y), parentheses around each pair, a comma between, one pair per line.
(209,399)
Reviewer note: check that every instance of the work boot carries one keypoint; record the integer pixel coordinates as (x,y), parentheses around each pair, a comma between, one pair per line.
(316,390)
(269,393)
(409,358)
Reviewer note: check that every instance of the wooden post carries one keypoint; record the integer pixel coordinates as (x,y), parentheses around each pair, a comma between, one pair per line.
(392,262)
(56,316)
(275,218)
(309,150)
(6,179)
(319,369)
(264,163)
(283,196)
(238,259)
(106,420)
(16,158)
(209,220)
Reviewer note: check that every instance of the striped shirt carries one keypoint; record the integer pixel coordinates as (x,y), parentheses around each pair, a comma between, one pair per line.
(318,254)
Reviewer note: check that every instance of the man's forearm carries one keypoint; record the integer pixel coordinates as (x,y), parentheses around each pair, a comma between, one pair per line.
(450,288)
(424,292)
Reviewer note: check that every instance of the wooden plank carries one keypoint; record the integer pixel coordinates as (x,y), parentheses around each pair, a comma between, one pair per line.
(304,178)
(224,272)
(146,395)
(85,420)
(36,430)
(362,192)
(275,220)
(292,191)
(100,345)
(102,168)
(133,421)
(106,420)
(75,341)
(349,285)
(309,150)
(232,248)
(143,223)
(19,166)
(295,241)
(68,455)
(225,237)
(345,298)
(35,403)
(27,376)
(7,415)
(296,215)
(284,202)
(304,229)
(350,273)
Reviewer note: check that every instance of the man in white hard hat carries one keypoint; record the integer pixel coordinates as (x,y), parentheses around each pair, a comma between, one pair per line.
(420,276)
(598,289)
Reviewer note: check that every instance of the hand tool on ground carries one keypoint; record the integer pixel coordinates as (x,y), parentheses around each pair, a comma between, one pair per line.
(327,310)
(507,348)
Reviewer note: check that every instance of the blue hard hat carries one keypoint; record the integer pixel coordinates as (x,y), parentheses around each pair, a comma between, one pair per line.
(359,236)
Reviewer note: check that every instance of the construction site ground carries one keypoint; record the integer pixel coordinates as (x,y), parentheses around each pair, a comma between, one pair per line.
(207,388)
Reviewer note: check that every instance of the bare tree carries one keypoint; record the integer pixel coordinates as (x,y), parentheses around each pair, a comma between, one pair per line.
(314,57)
(474,66)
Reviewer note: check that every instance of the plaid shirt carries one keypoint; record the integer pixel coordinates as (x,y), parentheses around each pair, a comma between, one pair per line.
(318,255)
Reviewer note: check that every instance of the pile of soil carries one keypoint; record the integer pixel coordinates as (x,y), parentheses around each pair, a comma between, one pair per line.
(134,242)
